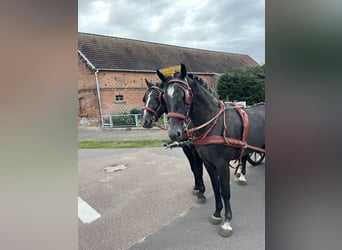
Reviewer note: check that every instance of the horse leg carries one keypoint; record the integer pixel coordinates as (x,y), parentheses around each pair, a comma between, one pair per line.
(196,165)
(198,173)
(212,171)
(224,179)
(242,176)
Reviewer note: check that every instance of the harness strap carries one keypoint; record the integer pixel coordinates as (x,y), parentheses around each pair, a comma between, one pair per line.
(176,115)
(151,110)
(204,139)
(160,99)
(245,124)
(226,141)
(190,132)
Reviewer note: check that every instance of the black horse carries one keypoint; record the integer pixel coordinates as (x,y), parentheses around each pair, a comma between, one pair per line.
(153,109)
(219,133)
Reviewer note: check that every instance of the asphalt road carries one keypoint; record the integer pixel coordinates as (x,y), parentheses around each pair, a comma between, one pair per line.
(148,205)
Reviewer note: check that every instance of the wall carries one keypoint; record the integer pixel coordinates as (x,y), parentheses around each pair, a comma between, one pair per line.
(130,85)
(88,105)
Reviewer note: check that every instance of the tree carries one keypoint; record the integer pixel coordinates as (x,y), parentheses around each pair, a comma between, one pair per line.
(243,84)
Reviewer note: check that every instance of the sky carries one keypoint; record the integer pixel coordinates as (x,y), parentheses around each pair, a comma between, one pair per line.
(235,26)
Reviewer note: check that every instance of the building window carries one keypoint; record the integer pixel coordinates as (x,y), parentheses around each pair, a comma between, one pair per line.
(119,98)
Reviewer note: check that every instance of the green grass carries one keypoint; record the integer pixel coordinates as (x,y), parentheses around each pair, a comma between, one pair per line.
(121,144)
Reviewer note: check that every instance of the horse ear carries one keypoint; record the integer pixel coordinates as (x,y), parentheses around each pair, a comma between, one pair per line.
(149,84)
(183,71)
(161,76)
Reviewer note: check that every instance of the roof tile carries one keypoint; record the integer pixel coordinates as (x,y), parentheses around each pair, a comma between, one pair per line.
(114,53)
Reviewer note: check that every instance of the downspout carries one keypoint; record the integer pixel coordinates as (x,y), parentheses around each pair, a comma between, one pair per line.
(97,83)
(99,96)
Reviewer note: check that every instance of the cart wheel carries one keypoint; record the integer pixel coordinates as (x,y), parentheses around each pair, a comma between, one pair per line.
(255,158)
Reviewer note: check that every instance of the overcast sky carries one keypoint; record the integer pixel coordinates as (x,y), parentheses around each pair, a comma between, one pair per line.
(236,26)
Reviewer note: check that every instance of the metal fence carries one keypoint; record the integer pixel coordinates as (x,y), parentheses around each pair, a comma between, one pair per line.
(128,120)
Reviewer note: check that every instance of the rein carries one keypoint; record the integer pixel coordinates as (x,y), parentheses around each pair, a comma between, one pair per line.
(190,132)
(159,126)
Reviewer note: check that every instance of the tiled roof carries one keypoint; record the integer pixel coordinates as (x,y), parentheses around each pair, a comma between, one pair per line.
(113,53)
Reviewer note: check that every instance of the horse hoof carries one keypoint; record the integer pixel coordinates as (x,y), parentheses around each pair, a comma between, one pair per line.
(195,192)
(201,200)
(215,220)
(226,230)
(242,182)
(225,233)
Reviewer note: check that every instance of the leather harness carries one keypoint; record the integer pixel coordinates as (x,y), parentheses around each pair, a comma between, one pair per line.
(160,101)
(204,139)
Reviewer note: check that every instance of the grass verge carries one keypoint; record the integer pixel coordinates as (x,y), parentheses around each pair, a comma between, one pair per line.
(121,144)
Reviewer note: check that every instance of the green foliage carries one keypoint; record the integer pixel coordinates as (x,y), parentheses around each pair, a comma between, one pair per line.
(161,120)
(122,120)
(136,111)
(243,84)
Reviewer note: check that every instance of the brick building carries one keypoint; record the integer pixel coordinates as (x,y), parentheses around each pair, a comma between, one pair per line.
(112,72)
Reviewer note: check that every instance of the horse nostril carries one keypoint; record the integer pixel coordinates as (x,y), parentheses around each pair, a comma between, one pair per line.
(179,133)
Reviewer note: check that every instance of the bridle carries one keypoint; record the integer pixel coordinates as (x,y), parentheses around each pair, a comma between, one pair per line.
(161,102)
(183,85)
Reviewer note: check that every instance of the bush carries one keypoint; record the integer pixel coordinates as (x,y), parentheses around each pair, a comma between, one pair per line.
(136,111)
(123,120)
(243,84)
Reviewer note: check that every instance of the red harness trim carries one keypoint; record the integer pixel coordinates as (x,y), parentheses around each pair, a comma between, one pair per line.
(176,115)
(204,139)
(151,110)
(160,100)
(188,95)
(190,132)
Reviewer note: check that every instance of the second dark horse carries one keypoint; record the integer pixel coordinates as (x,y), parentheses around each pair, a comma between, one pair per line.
(153,109)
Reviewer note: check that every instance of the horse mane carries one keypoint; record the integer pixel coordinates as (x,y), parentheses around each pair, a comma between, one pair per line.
(159,85)
(202,83)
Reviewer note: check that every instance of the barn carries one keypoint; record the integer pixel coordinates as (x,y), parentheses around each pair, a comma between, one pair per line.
(112,72)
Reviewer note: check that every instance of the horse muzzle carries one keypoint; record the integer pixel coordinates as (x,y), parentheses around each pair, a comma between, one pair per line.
(148,122)
(175,135)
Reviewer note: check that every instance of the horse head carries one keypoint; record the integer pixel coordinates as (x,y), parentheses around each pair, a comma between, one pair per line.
(154,104)
(177,96)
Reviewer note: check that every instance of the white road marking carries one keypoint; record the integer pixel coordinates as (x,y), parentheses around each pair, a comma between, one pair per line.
(86,213)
